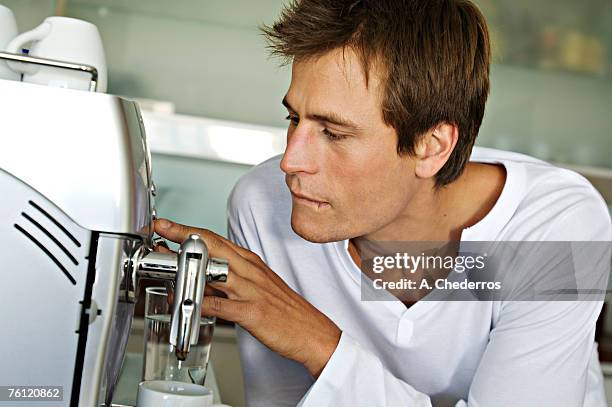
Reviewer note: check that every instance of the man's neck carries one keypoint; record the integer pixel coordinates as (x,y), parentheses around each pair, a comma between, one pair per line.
(441,215)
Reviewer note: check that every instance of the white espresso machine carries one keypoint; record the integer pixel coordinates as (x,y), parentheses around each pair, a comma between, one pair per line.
(76,210)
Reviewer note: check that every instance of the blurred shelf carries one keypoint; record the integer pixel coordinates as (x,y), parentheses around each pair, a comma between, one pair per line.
(250,144)
(211,139)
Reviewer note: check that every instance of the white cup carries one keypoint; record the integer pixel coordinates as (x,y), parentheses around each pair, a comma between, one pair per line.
(8,31)
(162,393)
(62,39)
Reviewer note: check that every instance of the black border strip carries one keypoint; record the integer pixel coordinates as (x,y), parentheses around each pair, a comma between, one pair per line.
(59,225)
(50,236)
(47,252)
(84,322)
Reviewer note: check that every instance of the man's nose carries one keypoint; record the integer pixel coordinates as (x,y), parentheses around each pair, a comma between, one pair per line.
(301,151)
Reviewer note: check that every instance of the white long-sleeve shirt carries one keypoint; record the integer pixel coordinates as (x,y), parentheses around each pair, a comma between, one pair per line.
(476,353)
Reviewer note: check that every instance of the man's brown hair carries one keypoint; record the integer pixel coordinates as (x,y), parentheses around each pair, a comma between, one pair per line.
(435,54)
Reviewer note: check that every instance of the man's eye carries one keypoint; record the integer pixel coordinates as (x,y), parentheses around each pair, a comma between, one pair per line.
(333,136)
(293,119)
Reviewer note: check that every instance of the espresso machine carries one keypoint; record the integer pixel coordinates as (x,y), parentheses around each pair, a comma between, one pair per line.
(77,205)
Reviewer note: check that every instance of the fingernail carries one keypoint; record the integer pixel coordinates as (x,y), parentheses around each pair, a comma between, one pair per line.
(164,224)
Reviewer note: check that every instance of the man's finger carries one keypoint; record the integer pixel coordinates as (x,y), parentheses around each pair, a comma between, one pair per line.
(247,254)
(236,287)
(174,232)
(210,290)
(161,249)
(262,266)
(217,245)
(178,233)
(231,310)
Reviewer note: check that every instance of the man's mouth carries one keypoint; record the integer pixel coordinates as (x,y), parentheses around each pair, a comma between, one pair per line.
(308,201)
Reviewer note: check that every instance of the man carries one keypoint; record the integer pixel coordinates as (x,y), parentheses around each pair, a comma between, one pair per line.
(385,102)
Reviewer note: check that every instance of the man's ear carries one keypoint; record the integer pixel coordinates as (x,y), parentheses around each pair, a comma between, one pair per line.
(434,149)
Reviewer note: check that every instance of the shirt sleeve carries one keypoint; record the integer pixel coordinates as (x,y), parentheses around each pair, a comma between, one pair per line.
(539,355)
(543,352)
(355,377)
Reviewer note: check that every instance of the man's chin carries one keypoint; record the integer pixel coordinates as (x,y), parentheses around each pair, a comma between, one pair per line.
(315,233)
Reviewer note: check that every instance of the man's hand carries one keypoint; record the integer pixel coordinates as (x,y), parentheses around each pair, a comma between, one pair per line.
(259,301)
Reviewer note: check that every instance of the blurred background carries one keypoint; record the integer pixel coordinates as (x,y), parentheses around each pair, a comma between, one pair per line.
(211,100)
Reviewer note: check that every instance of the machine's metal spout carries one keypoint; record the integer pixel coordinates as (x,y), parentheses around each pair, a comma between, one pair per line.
(188,293)
(186,273)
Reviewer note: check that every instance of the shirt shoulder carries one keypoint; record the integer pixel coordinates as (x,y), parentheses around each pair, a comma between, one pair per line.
(259,206)
(548,201)
(262,185)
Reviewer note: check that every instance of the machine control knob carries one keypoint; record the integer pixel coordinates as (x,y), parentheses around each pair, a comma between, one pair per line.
(216,270)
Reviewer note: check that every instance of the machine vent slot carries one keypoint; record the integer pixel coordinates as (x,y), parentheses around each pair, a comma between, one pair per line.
(47,252)
(50,236)
(59,225)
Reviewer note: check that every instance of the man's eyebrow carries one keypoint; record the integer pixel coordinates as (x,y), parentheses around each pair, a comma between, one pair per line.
(329,117)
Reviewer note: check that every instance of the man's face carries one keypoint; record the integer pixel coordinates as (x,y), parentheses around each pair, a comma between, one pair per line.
(341,161)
